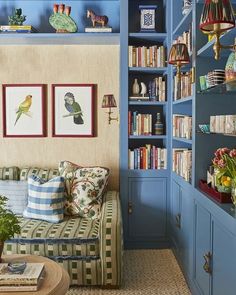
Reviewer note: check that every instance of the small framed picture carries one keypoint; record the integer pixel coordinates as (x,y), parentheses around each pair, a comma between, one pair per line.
(73,110)
(24,110)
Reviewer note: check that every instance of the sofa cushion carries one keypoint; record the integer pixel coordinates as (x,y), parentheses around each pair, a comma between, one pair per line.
(85,187)
(46,199)
(9,173)
(17,194)
(45,174)
(72,237)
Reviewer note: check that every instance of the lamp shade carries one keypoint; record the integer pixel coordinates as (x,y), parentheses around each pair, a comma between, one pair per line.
(109,101)
(217,16)
(179,54)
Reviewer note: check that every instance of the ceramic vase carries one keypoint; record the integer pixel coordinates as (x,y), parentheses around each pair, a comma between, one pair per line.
(233,194)
(230,68)
(135,88)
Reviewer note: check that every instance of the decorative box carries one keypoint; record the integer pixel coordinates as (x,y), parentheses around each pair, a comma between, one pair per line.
(219,197)
(147,18)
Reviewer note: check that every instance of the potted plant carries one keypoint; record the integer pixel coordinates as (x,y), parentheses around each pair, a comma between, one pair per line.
(225,171)
(9,223)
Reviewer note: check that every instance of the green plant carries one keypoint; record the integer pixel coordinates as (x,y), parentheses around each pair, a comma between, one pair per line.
(9,223)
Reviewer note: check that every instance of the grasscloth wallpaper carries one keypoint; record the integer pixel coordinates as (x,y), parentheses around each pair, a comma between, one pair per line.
(64,64)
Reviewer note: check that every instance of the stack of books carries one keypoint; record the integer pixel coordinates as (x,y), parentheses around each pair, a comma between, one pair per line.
(148,157)
(182,163)
(142,56)
(29,280)
(139,124)
(182,126)
(223,124)
(184,88)
(17,29)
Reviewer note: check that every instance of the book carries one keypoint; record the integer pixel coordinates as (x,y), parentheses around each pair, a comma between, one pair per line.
(98,30)
(17,29)
(30,276)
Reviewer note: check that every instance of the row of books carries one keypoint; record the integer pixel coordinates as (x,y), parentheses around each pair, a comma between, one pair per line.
(157,89)
(29,280)
(139,124)
(223,124)
(183,88)
(182,126)
(186,38)
(148,157)
(182,163)
(143,56)
(17,29)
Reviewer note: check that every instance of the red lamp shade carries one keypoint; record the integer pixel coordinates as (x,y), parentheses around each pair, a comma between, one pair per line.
(179,54)
(217,16)
(109,101)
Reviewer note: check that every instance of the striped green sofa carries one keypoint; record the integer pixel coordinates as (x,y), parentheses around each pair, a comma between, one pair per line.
(89,250)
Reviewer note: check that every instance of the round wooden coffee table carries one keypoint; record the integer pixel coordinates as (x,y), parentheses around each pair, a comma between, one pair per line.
(55,282)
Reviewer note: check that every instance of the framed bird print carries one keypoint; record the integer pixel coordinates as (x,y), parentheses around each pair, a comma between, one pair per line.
(73,110)
(24,110)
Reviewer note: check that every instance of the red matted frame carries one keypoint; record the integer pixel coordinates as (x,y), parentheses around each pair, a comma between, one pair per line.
(44,109)
(92,88)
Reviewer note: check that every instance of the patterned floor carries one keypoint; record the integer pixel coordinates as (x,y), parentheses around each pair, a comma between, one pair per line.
(151,272)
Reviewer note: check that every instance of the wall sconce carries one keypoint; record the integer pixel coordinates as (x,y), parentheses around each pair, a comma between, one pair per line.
(178,57)
(109,102)
(216,18)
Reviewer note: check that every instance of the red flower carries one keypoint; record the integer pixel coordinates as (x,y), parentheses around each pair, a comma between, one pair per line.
(216,160)
(217,153)
(221,163)
(232,153)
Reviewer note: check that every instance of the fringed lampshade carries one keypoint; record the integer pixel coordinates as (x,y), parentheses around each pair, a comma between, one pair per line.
(109,101)
(217,16)
(179,54)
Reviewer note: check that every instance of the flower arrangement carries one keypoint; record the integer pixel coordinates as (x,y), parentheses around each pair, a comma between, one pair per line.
(225,169)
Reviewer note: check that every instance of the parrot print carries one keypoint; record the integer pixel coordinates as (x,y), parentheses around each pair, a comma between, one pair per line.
(73,108)
(23,107)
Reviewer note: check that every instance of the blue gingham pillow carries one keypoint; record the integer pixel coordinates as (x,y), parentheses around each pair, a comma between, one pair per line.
(46,199)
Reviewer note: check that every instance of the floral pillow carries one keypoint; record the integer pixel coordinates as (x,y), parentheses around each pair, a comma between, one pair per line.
(85,187)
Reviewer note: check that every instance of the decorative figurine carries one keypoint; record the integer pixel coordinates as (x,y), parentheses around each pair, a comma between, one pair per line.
(97,19)
(159,127)
(147,18)
(187,5)
(143,89)
(61,21)
(17,18)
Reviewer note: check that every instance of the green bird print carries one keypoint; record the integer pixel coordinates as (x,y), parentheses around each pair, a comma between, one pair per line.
(73,108)
(24,107)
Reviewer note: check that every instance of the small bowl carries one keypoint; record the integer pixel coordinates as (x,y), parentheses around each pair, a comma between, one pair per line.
(17,267)
(205,128)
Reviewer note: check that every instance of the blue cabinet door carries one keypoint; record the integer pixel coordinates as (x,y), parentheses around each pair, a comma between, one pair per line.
(147,218)
(223,261)
(175,215)
(202,247)
(186,230)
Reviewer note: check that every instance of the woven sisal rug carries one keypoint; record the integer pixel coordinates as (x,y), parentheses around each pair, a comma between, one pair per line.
(146,272)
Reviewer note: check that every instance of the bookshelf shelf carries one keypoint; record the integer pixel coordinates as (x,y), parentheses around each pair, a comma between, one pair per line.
(157,37)
(224,88)
(216,134)
(183,140)
(148,70)
(148,173)
(183,100)
(184,24)
(60,39)
(148,103)
(147,137)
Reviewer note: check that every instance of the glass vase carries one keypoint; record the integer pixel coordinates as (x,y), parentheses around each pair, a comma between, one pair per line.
(233,194)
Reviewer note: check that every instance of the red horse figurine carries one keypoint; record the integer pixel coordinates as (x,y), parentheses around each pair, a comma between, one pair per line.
(97,19)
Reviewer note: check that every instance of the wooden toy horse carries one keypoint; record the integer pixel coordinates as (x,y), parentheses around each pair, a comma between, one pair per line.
(97,19)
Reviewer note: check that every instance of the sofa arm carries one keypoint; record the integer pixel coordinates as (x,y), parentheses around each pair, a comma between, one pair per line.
(111,240)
